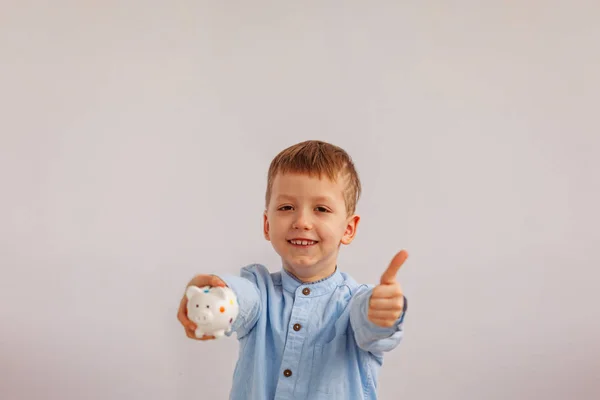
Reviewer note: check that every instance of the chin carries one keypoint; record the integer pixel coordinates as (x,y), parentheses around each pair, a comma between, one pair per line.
(302,264)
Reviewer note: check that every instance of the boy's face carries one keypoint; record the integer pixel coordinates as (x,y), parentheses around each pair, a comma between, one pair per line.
(306,222)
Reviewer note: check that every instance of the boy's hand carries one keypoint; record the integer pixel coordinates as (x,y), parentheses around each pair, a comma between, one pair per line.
(189,326)
(387,301)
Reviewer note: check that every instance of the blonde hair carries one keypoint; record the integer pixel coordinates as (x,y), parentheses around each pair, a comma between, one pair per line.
(317,158)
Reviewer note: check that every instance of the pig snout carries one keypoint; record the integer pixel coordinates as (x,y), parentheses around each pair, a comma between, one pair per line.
(204,317)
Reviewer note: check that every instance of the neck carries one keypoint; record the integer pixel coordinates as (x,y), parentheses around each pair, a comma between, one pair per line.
(311,278)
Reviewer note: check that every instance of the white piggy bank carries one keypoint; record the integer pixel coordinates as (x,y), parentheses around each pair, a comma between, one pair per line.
(212,309)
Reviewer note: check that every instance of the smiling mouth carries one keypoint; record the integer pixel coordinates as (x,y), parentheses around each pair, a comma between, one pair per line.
(302,243)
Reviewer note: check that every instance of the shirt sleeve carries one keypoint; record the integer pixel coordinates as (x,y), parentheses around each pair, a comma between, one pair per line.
(246,289)
(371,337)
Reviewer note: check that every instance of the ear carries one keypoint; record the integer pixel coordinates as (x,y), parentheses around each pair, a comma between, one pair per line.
(351,226)
(219,292)
(266,226)
(191,291)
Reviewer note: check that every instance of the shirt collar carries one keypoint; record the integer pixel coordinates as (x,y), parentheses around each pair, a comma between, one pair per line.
(311,289)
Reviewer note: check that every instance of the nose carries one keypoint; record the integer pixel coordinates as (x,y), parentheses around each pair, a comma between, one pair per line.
(205,316)
(302,221)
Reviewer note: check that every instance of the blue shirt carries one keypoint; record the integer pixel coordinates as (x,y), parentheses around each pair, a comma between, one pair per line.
(306,340)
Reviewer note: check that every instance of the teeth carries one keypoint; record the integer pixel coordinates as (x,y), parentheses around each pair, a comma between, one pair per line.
(302,242)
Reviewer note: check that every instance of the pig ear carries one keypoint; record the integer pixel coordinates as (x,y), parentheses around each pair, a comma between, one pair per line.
(192,290)
(219,292)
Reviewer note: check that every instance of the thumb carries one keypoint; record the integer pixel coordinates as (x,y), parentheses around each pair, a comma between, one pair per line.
(389,276)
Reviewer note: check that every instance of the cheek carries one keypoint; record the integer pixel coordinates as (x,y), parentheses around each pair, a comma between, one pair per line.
(331,230)
(277,226)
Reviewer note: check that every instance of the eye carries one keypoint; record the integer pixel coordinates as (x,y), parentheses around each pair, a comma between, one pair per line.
(197,306)
(207,306)
(322,209)
(285,208)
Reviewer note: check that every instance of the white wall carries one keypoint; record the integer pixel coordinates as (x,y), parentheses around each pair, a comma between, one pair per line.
(134,143)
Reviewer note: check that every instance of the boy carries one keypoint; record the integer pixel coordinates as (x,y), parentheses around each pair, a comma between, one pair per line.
(310,331)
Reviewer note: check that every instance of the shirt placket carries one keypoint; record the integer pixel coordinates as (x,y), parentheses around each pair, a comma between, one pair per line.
(289,371)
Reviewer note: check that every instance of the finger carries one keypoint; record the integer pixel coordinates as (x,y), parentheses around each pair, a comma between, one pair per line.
(386,323)
(190,333)
(389,276)
(182,316)
(217,282)
(387,291)
(182,312)
(396,304)
(201,281)
(207,280)
(384,314)
(189,326)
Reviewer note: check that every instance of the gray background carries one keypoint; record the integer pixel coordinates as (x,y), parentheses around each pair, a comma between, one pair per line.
(135,140)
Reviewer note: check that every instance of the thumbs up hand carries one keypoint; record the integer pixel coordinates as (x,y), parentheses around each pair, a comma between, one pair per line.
(387,301)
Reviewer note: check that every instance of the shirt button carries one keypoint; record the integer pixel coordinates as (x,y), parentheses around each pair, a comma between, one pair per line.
(297,327)
(287,373)
(306,291)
